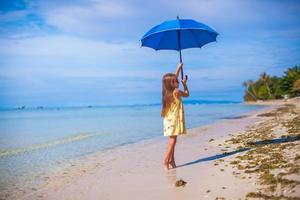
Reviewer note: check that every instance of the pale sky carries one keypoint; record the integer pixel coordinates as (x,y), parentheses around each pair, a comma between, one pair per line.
(68,53)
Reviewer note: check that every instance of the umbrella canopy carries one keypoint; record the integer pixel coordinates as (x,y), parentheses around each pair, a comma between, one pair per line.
(179,34)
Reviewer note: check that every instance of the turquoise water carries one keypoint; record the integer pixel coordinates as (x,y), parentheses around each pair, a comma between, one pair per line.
(33,141)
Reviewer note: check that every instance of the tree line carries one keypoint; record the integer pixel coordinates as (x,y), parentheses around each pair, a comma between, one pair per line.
(273,87)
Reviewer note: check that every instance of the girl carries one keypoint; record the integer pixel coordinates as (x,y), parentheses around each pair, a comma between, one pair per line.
(172,112)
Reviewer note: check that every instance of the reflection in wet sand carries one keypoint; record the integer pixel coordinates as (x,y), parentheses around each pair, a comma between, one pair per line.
(171,177)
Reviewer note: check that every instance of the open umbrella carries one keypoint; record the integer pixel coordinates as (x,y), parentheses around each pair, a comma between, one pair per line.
(179,34)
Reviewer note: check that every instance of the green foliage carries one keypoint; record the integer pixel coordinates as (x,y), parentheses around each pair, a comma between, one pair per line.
(263,93)
(276,89)
(273,87)
(296,87)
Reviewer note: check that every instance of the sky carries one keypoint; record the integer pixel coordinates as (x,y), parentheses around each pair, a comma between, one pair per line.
(73,53)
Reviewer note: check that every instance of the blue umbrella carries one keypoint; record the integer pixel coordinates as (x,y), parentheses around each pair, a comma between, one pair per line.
(179,34)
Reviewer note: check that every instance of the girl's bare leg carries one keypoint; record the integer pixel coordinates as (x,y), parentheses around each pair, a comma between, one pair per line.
(170,152)
(172,160)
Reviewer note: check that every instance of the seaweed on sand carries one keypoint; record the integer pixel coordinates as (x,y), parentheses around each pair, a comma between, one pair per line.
(271,197)
(180,183)
(270,154)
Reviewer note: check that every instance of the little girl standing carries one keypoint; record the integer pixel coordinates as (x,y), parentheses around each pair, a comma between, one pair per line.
(172,112)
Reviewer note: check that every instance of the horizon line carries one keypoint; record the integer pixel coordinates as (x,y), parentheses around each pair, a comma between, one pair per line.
(41,107)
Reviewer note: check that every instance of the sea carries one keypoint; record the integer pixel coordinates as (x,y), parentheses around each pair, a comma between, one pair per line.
(35,141)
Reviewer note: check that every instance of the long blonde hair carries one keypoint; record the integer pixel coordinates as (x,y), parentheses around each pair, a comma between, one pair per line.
(167,93)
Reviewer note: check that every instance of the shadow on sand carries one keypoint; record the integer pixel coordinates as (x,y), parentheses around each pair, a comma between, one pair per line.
(253,144)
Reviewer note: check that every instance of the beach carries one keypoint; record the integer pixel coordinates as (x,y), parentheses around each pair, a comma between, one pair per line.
(37,143)
(89,89)
(211,159)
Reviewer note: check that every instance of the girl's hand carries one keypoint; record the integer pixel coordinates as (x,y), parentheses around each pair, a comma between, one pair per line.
(184,80)
(180,64)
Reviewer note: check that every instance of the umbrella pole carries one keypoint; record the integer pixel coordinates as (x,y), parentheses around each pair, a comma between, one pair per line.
(180,56)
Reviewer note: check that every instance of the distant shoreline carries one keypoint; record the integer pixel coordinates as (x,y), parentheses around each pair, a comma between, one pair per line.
(272,101)
(40,107)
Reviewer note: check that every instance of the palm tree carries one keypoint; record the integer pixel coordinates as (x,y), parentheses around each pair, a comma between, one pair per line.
(291,76)
(248,84)
(293,72)
(251,84)
(296,87)
(266,80)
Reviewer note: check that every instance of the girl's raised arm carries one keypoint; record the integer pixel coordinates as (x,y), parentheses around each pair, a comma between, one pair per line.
(178,69)
(186,92)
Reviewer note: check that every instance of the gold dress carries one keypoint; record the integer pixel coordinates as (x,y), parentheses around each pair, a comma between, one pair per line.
(174,122)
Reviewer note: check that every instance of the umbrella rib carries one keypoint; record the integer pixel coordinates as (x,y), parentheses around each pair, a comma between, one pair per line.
(214,38)
(160,41)
(195,37)
(174,29)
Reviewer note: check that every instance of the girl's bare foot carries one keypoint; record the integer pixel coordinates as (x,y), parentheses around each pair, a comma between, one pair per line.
(166,166)
(173,164)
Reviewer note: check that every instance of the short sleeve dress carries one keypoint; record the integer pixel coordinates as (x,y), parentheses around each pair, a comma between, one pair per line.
(174,121)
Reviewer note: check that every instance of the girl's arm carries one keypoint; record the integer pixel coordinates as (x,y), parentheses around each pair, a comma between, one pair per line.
(178,69)
(185,92)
